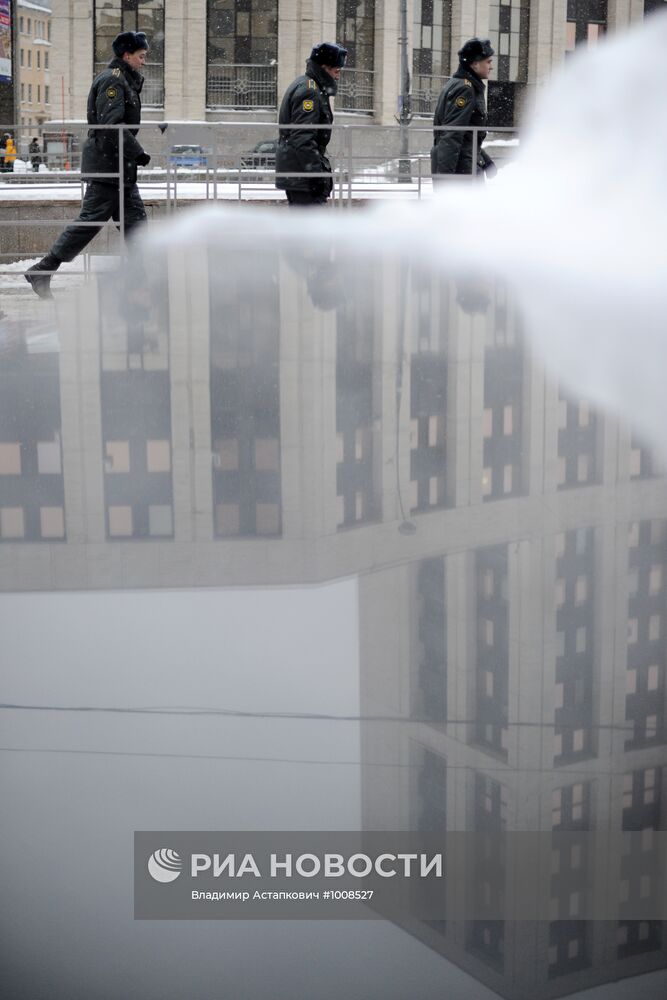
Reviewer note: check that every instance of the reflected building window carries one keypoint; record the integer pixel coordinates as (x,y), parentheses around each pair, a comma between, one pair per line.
(642,811)
(578,427)
(492,649)
(569,939)
(113,16)
(135,397)
(242,49)
(430,803)
(431,792)
(431,694)
(643,462)
(32,488)
(647,646)
(503,404)
(428,395)
(486,938)
(575,583)
(245,406)
(355,30)
(357,497)
(431,53)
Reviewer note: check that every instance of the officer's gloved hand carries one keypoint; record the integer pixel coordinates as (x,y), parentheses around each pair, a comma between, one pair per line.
(143,160)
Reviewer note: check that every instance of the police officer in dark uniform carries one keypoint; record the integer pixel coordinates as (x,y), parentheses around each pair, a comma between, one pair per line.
(463,102)
(303,150)
(113,100)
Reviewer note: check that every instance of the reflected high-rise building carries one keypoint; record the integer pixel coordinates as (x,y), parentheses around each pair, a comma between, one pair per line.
(306,420)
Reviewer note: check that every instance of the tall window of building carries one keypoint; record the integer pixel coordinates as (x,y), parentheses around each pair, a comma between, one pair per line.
(39,93)
(245,405)
(29,57)
(647,641)
(575,611)
(32,487)
(431,53)
(486,938)
(502,471)
(21,24)
(586,22)
(355,29)
(492,680)
(242,49)
(29,93)
(508,31)
(30,26)
(46,60)
(578,440)
(38,60)
(47,99)
(428,393)
(430,689)
(114,16)
(357,489)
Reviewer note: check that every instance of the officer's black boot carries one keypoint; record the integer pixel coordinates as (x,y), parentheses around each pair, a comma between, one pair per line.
(39,276)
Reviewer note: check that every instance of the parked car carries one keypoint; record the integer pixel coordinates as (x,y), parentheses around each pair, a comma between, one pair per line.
(188,156)
(262,155)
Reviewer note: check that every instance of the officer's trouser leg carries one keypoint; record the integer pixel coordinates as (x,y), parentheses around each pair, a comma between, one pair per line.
(133,209)
(99,203)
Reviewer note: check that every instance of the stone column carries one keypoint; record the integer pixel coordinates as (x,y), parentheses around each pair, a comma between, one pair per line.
(71,45)
(546,40)
(623,13)
(185,60)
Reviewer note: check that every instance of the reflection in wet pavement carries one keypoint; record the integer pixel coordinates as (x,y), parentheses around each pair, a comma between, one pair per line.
(402,522)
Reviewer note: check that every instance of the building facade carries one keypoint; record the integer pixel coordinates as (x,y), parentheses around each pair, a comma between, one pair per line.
(275,426)
(216,60)
(34,56)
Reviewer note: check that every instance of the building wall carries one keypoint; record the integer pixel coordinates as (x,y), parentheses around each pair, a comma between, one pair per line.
(301,24)
(35,53)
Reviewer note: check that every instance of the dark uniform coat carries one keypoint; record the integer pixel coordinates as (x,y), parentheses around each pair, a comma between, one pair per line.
(303,150)
(113,100)
(462,102)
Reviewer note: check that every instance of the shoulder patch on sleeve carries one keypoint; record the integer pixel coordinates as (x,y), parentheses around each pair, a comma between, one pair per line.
(467,81)
(461,102)
(115,72)
(308,105)
(111,93)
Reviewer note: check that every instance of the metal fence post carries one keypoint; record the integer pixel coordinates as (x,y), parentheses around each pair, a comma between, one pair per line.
(121,184)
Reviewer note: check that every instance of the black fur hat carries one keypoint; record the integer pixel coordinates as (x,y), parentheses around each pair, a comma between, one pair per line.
(329,54)
(474,49)
(129,41)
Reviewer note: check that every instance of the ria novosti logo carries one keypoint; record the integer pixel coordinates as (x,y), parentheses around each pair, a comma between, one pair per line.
(165,865)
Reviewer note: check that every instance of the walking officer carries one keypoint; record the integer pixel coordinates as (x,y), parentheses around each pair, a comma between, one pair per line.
(113,100)
(303,150)
(463,102)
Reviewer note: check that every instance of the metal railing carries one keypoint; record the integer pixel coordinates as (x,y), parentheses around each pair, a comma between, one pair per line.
(241,86)
(228,173)
(426,89)
(356,90)
(152,92)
